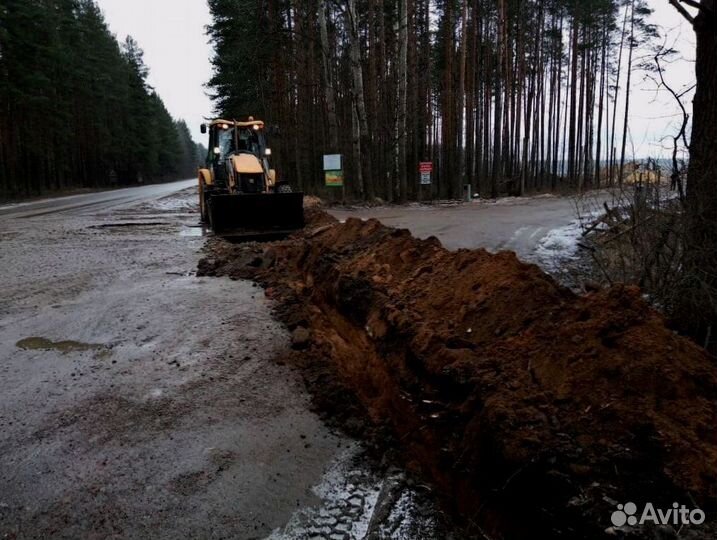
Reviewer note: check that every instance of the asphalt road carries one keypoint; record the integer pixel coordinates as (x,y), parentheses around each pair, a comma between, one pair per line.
(92,202)
(139,401)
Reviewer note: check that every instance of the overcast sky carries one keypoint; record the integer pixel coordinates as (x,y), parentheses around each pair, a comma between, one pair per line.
(171,32)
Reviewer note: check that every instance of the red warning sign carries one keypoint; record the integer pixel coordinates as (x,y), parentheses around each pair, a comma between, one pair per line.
(425,166)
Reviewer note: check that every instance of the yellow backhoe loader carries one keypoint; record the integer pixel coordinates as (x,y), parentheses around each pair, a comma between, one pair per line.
(239,193)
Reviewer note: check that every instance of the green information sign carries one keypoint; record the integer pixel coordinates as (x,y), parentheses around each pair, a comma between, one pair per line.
(334,170)
(334,178)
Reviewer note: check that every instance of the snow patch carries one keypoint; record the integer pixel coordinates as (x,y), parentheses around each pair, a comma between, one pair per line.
(559,245)
(356,502)
(348,496)
(397,527)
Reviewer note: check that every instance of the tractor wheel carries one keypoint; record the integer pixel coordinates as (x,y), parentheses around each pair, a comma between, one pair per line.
(284,188)
(210,215)
(203,211)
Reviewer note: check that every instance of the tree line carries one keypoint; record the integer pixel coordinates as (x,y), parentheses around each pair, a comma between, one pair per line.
(75,106)
(509,96)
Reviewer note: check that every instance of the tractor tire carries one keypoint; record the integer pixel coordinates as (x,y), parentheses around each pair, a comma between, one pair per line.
(211,220)
(203,210)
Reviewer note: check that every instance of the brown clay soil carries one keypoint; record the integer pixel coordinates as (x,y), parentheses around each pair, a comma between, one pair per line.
(533,410)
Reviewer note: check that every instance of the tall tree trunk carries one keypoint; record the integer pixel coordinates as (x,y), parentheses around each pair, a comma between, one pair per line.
(460,173)
(372,96)
(402,97)
(498,112)
(617,93)
(329,94)
(698,312)
(360,154)
(487,65)
(590,79)
(448,166)
(601,102)
(508,94)
(631,46)
(572,150)
(558,107)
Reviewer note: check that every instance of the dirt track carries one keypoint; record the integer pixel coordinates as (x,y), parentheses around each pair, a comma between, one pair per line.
(142,402)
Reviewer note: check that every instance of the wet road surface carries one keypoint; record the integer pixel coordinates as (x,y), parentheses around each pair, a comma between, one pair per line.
(92,202)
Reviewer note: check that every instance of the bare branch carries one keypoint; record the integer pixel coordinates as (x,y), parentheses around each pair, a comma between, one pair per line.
(686,90)
(686,14)
(675,177)
(696,5)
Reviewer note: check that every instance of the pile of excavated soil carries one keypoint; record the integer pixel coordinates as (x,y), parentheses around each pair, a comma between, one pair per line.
(533,410)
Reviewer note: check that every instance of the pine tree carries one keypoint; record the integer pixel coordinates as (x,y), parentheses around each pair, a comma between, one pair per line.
(75,109)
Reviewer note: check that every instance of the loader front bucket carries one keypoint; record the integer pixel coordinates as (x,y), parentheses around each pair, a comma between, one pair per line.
(256,213)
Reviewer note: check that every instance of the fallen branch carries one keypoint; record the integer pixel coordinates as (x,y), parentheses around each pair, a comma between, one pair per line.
(629,229)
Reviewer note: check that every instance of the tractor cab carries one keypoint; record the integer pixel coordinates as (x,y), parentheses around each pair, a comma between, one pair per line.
(228,140)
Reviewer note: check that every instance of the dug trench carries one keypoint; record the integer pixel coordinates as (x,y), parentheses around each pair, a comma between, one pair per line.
(532,410)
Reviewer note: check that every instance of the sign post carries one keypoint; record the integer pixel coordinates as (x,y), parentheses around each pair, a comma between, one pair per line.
(425,169)
(334,173)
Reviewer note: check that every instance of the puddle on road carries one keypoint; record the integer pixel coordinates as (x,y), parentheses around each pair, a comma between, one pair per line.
(129,224)
(184,201)
(65,346)
(196,230)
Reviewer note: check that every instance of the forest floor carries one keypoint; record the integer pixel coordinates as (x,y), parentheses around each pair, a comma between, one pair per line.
(140,401)
(509,393)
